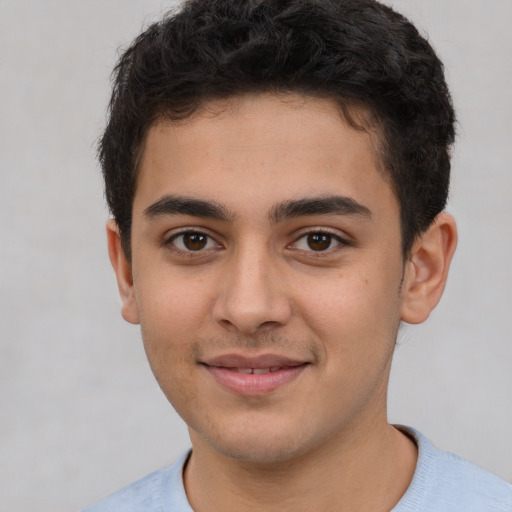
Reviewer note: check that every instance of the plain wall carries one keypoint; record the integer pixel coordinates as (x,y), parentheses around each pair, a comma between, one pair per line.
(80,412)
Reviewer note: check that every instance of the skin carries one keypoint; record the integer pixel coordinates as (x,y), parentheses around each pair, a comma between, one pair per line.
(256,283)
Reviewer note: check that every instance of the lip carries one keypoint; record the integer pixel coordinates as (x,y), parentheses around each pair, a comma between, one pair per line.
(234,372)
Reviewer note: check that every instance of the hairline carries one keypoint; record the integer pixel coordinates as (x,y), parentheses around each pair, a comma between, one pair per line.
(355,113)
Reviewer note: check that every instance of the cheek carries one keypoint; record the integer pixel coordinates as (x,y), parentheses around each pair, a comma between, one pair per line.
(172,313)
(170,301)
(166,335)
(354,311)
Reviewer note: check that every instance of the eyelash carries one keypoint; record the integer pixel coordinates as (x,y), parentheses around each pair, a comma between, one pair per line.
(333,237)
(170,241)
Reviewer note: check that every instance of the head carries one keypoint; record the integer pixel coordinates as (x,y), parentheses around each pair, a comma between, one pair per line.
(370,61)
(276,172)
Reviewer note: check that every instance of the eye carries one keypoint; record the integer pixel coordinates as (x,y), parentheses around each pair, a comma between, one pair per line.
(192,241)
(318,241)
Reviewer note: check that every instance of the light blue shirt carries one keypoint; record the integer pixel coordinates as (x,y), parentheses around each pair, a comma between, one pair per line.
(442,482)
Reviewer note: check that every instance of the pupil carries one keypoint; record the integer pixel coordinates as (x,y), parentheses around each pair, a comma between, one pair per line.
(194,241)
(319,241)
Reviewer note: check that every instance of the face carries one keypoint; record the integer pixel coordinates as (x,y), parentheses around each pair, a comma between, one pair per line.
(266,265)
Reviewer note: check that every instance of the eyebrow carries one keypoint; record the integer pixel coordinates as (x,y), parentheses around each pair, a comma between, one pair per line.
(338,205)
(178,205)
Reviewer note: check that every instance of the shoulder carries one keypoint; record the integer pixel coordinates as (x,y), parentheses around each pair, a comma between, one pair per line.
(465,483)
(444,481)
(153,493)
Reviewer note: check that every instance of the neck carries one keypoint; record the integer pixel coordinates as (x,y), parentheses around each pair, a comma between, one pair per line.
(366,469)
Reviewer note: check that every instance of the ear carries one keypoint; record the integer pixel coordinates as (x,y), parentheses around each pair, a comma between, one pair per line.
(427,268)
(123,270)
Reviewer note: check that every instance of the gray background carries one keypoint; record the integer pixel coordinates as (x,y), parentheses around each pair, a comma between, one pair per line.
(80,413)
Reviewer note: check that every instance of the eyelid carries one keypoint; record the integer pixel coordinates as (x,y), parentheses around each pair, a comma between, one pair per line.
(169,239)
(342,240)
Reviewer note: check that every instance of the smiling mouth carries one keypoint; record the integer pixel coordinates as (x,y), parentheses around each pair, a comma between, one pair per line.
(256,378)
(257,371)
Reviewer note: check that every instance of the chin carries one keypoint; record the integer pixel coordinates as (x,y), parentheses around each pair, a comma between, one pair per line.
(257,453)
(258,444)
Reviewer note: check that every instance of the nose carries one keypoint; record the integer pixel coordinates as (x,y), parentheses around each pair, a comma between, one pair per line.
(252,297)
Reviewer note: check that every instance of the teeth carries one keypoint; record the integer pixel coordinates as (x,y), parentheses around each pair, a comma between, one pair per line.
(258,371)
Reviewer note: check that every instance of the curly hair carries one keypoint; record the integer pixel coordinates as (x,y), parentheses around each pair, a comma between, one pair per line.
(355,52)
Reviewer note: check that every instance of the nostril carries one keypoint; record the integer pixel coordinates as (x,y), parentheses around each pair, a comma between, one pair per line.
(269,324)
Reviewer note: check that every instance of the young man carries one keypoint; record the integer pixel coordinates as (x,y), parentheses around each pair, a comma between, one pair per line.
(277,173)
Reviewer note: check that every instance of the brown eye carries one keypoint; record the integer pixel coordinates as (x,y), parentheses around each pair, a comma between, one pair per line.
(319,241)
(192,241)
(195,241)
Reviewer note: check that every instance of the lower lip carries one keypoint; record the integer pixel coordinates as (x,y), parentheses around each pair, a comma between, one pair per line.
(254,384)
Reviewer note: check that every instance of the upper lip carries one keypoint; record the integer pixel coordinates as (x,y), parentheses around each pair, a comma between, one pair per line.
(261,361)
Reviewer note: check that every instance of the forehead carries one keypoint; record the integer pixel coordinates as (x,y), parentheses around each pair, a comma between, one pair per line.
(259,149)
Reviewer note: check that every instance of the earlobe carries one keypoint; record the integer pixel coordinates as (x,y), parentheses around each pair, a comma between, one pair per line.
(427,268)
(123,271)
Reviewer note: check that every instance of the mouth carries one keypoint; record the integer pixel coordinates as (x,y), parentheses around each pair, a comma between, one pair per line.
(254,376)
(257,371)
